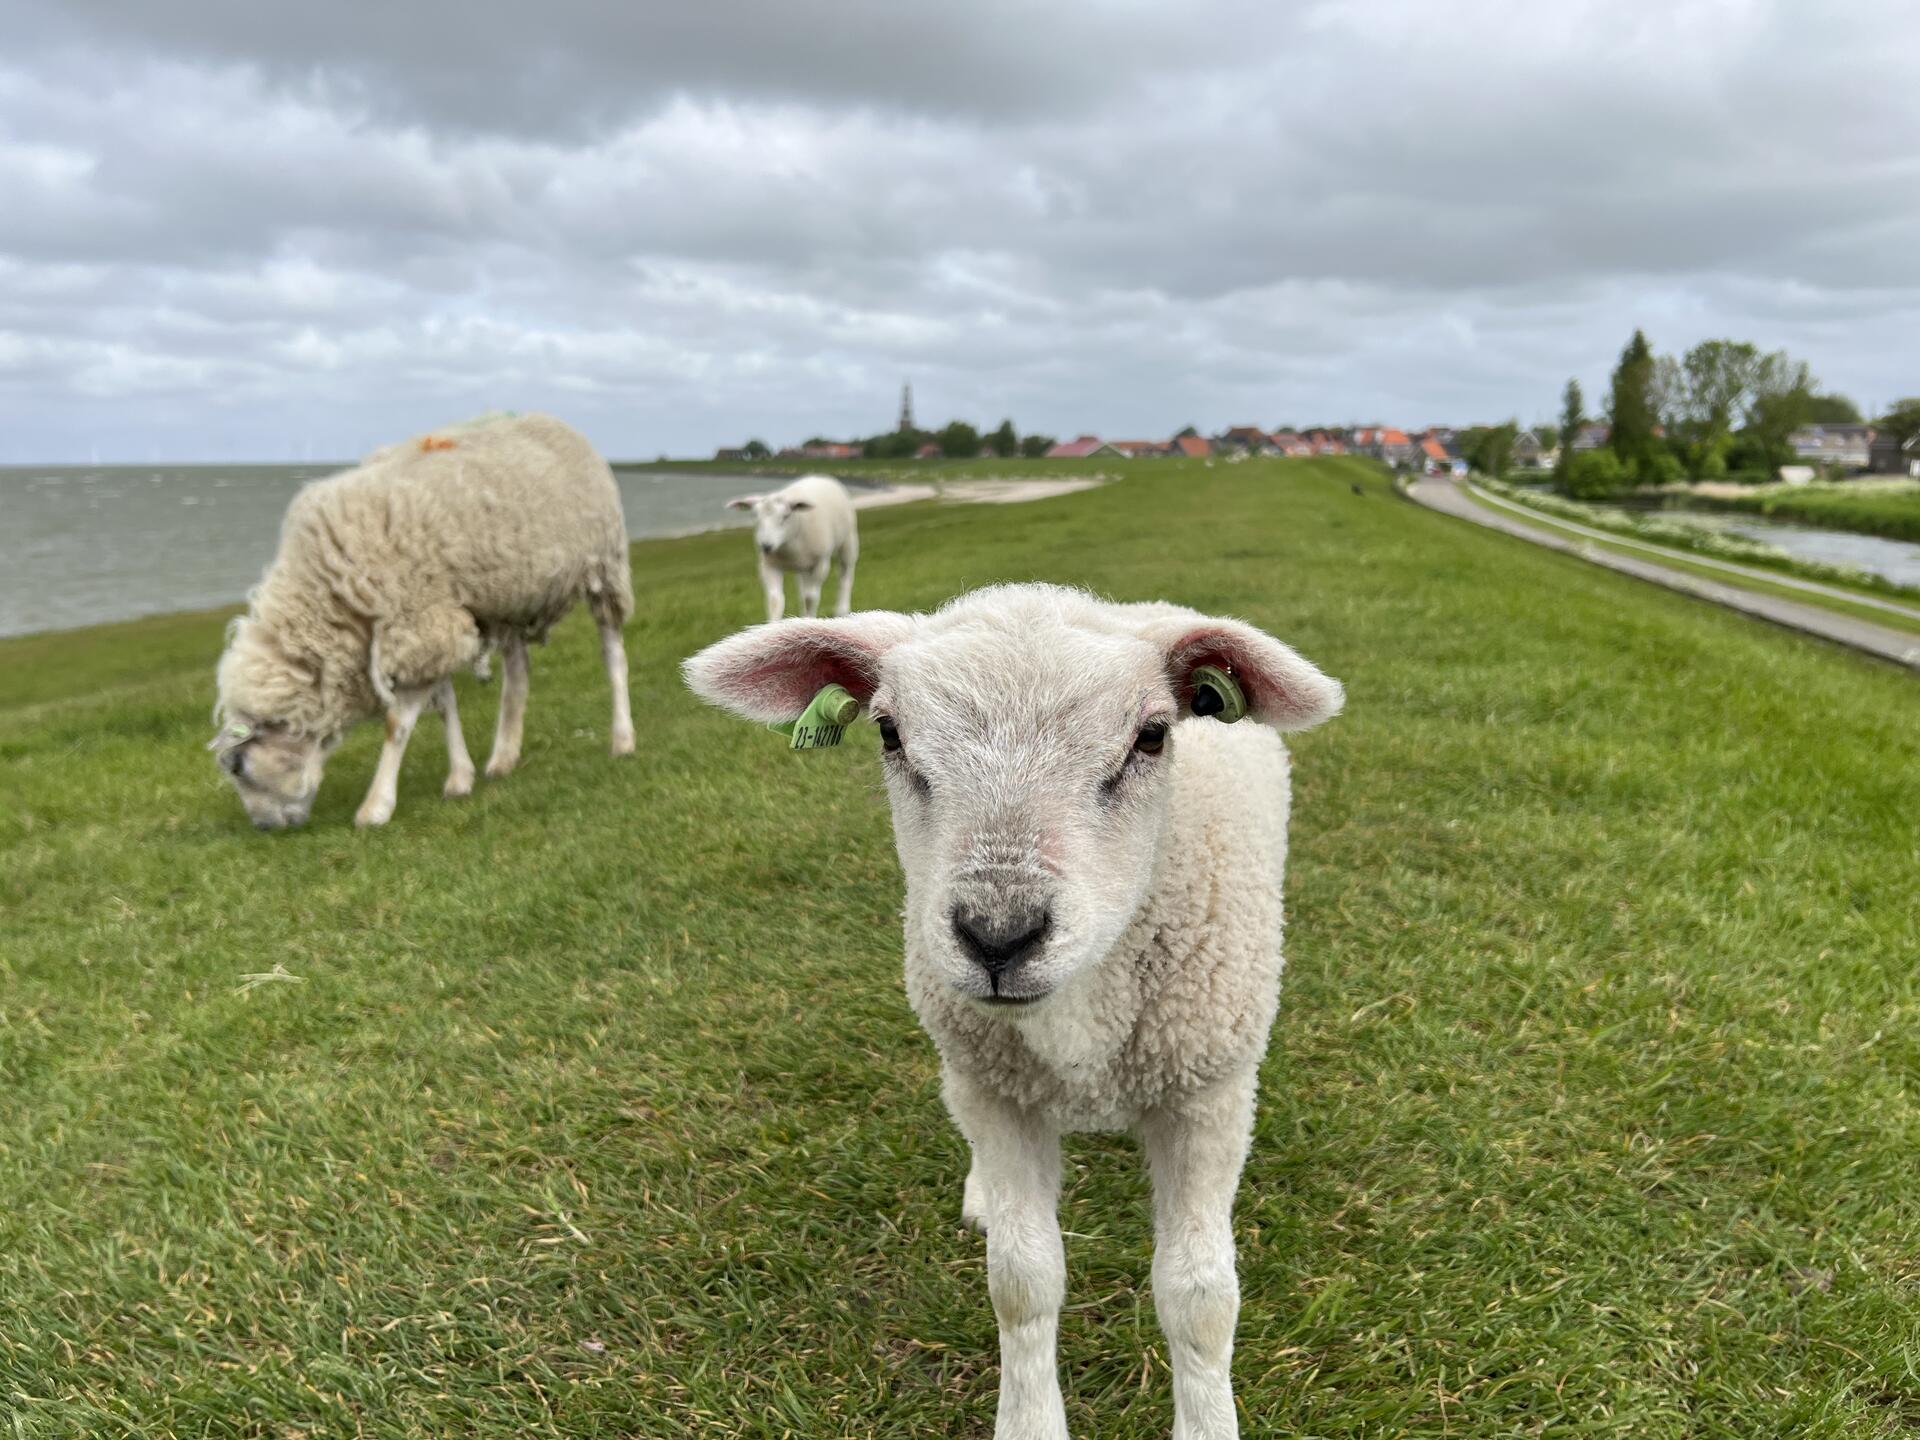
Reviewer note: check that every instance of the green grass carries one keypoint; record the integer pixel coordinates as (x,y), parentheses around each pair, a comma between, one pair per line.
(1872,509)
(596,1110)
(1678,560)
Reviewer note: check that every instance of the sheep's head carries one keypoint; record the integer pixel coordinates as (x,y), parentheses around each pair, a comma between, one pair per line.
(773,518)
(1027,736)
(276,771)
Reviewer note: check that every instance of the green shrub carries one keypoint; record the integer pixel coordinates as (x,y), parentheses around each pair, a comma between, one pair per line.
(1596,474)
(1662,467)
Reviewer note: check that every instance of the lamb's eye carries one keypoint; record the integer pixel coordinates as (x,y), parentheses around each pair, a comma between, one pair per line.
(1151,739)
(889,733)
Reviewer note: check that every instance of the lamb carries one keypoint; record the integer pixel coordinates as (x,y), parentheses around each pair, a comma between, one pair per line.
(802,530)
(1093,916)
(395,574)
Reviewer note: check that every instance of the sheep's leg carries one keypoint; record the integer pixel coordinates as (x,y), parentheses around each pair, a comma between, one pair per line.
(613,653)
(1195,1155)
(459,762)
(811,584)
(849,555)
(513,707)
(773,581)
(402,715)
(1017,1166)
(973,1199)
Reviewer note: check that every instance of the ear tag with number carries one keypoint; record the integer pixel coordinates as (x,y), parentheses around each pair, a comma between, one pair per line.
(823,722)
(1217,693)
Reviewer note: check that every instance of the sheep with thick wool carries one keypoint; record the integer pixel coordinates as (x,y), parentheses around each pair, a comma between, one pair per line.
(1093,918)
(802,529)
(395,574)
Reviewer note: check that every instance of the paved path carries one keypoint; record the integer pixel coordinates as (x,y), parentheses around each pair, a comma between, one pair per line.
(1444,494)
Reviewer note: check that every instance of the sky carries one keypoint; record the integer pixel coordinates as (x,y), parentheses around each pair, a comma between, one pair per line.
(232,230)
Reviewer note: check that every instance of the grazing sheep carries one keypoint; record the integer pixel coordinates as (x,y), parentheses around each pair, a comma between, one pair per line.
(802,530)
(1092,921)
(395,574)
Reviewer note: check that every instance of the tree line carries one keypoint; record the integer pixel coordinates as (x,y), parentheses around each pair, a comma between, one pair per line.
(956,440)
(1724,410)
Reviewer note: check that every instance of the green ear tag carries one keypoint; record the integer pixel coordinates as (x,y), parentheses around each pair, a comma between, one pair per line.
(824,720)
(1217,693)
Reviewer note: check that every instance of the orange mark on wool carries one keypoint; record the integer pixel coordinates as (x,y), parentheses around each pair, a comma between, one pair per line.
(437,442)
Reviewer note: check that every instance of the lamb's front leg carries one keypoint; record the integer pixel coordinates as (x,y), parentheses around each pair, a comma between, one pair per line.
(849,557)
(402,716)
(811,583)
(1016,1171)
(1195,1153)
(773,582)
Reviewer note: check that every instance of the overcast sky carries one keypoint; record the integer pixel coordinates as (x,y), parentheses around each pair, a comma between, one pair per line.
(256,229)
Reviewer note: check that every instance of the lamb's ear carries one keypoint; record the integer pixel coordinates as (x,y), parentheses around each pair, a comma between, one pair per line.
(744,502)
(770,672)
(1282,687)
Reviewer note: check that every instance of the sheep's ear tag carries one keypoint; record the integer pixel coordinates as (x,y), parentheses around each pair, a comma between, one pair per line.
(232,733)
(823,722)
(1217,693)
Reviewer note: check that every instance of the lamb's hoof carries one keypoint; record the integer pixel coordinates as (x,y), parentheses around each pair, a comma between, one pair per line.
(459,785)
(501,766)
(372,814)
(623,742)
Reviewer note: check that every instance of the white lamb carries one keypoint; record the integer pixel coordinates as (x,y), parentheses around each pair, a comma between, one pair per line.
(1092,921)
(802,530)
(392,576)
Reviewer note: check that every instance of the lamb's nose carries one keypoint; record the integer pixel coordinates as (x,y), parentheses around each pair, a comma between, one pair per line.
(998,943)
(765,549)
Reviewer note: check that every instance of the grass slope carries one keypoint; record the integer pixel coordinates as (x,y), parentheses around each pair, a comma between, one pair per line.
(595,1109)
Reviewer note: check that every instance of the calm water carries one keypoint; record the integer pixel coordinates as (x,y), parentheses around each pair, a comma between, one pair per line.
(84,544)
(1895,560)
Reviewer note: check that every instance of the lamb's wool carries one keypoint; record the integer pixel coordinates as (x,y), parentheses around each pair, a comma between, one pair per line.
(424,554)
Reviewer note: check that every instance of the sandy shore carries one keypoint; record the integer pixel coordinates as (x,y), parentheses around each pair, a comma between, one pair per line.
(978,492)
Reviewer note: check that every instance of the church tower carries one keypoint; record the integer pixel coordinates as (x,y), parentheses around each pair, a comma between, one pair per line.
(906,408)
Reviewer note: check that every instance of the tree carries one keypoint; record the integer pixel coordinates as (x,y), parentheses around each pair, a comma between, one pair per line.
(1003,442)
(959,441)
(1035,446)
(755,450)
(1489,449)
(1782,388)
(1832,410)
(1903,420)
(1572,417)
(1630,413)
(1184,431)
(1547,434)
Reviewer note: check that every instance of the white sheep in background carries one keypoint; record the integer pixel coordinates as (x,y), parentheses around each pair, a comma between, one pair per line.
(392,576)
(802,530)
(1092,921)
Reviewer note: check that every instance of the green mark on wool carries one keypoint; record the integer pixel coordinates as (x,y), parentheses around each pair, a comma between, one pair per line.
(1217,693)
(824,720)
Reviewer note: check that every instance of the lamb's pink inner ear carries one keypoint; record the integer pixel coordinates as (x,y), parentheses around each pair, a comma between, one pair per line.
(771,672)
(1283,688)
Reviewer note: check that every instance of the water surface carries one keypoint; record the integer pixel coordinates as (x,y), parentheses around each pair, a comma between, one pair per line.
(1895,560)
(80,545)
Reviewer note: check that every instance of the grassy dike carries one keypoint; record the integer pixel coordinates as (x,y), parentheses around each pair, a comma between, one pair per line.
(591,1106)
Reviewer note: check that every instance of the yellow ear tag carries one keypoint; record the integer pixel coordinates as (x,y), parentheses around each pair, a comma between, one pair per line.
(823,722)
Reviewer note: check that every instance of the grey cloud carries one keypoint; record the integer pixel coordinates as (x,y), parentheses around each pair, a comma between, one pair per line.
(225,226)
